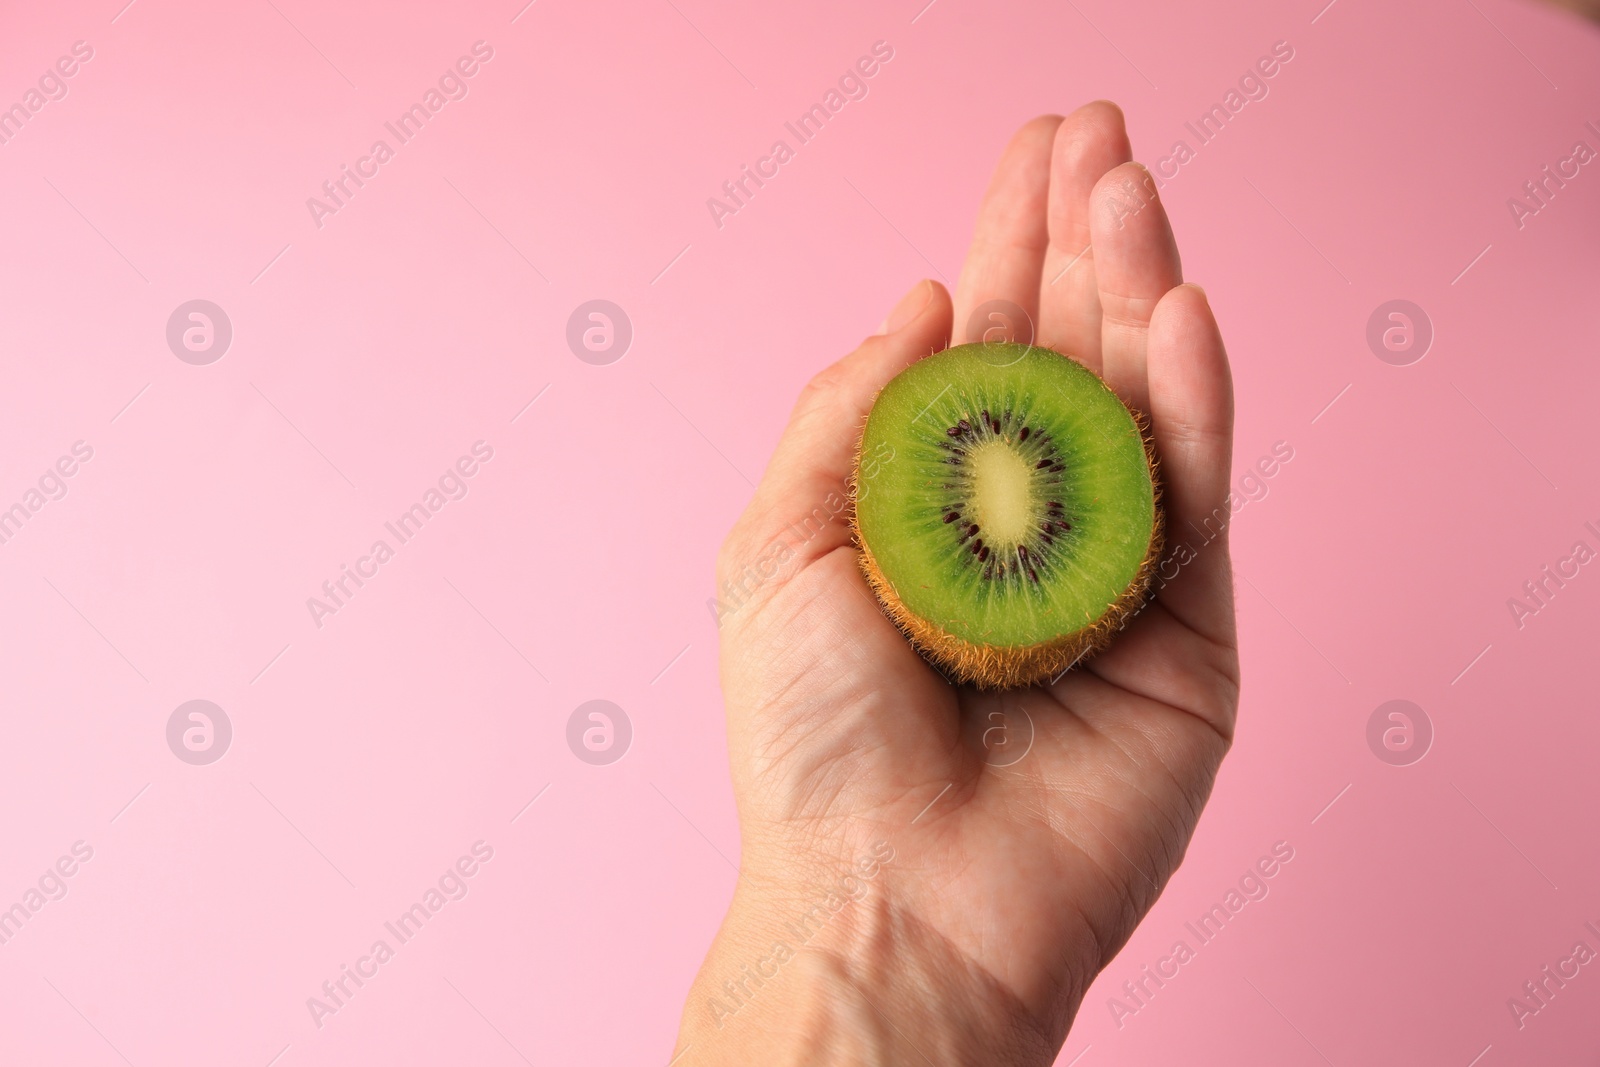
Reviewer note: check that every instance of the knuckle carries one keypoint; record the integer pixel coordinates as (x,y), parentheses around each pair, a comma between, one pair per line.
(824,386)
(731,556)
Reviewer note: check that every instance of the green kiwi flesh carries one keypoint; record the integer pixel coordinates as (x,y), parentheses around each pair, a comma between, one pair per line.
(1007,509)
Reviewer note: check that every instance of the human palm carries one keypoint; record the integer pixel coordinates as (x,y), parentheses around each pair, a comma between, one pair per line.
(1032,829)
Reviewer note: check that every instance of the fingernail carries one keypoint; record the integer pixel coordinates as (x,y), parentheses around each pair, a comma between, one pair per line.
(909,308)
(1196,288)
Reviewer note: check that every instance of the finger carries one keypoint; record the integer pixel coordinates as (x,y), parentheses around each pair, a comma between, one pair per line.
(1136,262)
(806,484)
(1009,240)
(1090,141)
(1179,651)
(1165,661)
(1191,413)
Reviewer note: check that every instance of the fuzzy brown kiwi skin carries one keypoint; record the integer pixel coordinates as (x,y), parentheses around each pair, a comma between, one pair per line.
(993,667)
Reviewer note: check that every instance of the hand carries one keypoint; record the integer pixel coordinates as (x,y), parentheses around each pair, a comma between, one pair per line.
(972,901)
(1591,8)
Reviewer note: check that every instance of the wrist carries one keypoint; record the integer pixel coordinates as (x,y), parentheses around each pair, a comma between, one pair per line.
(829,969)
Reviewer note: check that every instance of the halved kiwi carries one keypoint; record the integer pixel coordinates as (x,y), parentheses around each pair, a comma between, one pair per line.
(1008,511)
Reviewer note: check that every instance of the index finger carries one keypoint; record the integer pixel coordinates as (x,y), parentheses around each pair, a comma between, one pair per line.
(1009,240)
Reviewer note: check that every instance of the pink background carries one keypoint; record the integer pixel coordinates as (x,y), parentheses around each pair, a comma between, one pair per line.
(369,754)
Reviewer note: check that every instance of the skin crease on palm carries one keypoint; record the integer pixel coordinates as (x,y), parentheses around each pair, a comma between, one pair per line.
(1009,887)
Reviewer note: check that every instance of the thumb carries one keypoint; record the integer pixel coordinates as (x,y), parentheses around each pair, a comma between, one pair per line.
(811,466)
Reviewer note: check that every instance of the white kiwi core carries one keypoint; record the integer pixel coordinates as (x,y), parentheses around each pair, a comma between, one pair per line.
(1003,502)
